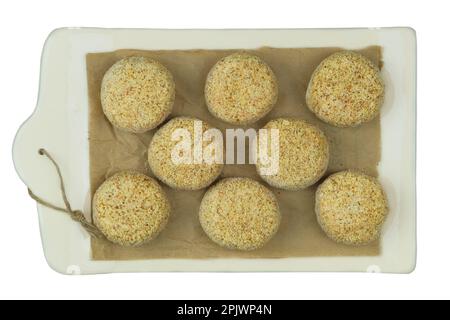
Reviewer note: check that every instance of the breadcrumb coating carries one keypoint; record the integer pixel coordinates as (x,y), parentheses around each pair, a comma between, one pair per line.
(180,176)
(130,208)
(137,94)
(345,90)
(351,207)
(239,213)
(241,89)
(303,154)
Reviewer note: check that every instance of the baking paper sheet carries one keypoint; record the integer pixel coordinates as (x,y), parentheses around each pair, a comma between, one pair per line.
(299,235)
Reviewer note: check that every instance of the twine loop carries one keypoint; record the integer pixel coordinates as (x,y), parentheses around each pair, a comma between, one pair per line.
(76,215)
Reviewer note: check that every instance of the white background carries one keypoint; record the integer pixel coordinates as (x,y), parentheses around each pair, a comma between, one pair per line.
(24,28)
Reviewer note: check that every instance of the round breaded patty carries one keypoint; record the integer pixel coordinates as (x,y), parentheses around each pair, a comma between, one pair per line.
(130,208)
(179,175)
(239,213)
(351,207)
(303,154)
(241,89)
(345,90)
(137,94)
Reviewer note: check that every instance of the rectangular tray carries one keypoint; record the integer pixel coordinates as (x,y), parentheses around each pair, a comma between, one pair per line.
(60,124)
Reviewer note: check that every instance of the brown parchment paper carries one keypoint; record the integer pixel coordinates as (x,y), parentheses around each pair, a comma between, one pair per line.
(299,235)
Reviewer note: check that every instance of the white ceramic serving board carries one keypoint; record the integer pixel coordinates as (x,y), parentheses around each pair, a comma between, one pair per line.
(60,124)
